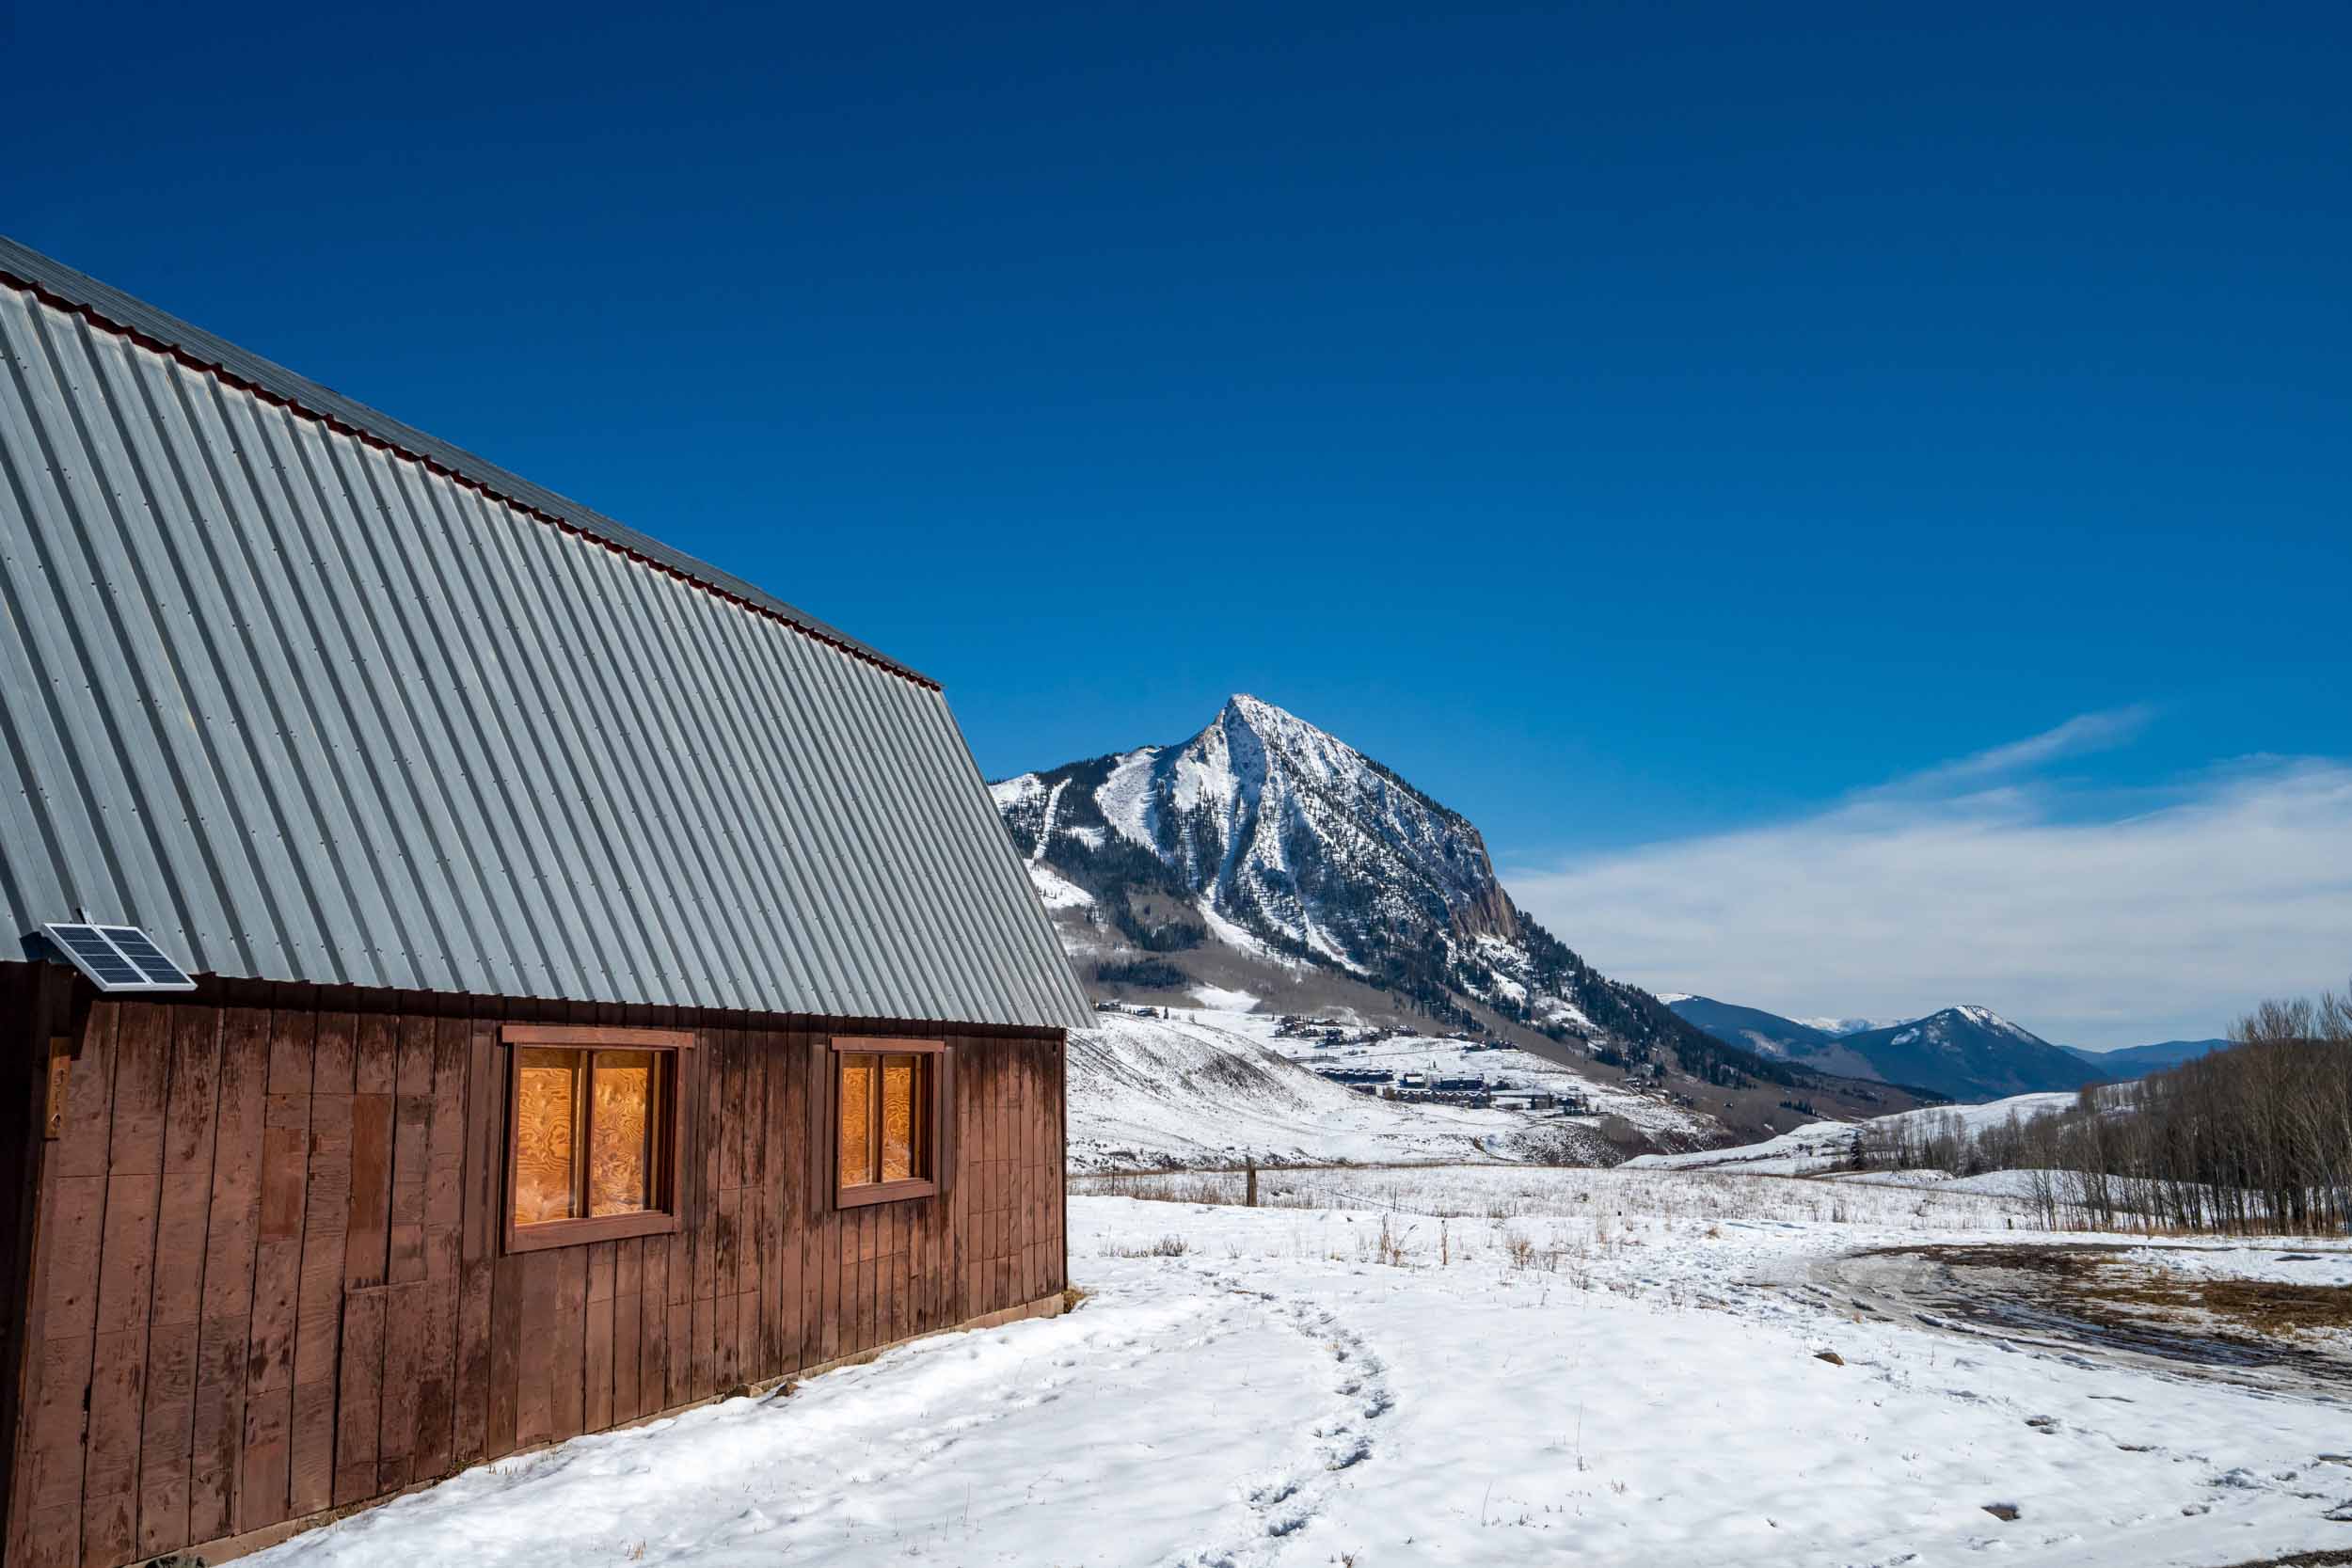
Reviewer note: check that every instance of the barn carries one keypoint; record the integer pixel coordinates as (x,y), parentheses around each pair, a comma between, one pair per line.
(476,975)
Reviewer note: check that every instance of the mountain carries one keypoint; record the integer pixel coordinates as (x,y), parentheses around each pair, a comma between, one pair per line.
(1766,1034)
(1771,1035)
(1971,1054)
(2138,1061)
(1266,861)
(1844,1026)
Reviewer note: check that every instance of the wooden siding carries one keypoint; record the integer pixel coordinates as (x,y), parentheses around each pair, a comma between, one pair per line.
(268,1278)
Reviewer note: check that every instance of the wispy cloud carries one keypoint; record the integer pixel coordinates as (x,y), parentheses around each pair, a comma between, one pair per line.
(2083,734)
(1975,882)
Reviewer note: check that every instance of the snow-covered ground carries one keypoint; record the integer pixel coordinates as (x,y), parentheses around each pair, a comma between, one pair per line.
(1449,1057)
(1615,1369)
(1823,1145)
(1181,1091)
(1212,1085)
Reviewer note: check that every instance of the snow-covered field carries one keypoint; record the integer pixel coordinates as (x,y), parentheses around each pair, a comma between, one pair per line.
(1148,1092)
(1444,1367)
(1823,1145)
(1212,1086)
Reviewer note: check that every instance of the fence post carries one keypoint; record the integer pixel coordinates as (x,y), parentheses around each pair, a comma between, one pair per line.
(1250,1193)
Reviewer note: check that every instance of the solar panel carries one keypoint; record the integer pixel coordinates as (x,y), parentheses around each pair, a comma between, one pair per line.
(117,957)
(132,944)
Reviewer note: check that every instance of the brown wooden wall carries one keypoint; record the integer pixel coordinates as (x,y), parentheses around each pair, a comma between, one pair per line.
(267,1280)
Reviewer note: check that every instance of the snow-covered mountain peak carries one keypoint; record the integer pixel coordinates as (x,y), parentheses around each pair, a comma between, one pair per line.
(1985,1017)
(1266,834)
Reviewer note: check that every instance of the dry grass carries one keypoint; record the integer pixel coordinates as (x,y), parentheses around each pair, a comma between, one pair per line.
(1504,1192)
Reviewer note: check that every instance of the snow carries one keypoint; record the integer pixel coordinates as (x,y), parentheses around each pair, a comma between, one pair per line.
(1670,997)
(1056,890)
(1986,1018)
(1236,937)
(1212,1086)
(1850,1026)
(1125,798)
(1822,1145)
(2302,1263)
(1990,1113)
(1452,1057)
(1017,791)
(1149,1092)
(1227,1001)
(1045,824)
(1567,1367)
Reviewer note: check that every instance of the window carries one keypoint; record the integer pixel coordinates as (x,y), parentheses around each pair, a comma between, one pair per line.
(889,1105)
(593,1137)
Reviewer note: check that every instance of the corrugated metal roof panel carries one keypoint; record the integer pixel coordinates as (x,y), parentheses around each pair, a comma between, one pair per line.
(308,707)
(59,281)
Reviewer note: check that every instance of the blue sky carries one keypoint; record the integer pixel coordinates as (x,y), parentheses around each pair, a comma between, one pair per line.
(1641,426)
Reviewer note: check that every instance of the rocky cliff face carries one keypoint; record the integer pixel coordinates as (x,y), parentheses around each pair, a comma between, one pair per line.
(1264,835)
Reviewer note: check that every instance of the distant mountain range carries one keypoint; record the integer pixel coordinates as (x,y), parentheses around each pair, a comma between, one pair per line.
(1967,1053)
(2138,1061)
(1263,860)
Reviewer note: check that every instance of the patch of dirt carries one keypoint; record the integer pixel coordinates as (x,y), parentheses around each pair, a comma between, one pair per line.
(2095,1298)
(2097,1278)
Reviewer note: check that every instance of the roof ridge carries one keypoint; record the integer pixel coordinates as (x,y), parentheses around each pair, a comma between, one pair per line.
(114,311)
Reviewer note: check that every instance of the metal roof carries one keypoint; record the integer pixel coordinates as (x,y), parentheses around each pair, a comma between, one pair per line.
(77,291)
(311,696)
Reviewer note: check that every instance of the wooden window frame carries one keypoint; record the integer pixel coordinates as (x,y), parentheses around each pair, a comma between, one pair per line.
(941,1127)
(668,1166)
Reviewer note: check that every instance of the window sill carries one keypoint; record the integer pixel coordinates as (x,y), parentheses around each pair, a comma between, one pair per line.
(604,1227)
(881,1192)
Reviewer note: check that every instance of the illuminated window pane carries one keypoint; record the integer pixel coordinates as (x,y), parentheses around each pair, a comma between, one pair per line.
(620,1133)
(546,1135)
(857,1120)
(898,1118)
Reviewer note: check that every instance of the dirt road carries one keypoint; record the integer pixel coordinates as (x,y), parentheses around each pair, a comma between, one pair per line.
(2086,1304)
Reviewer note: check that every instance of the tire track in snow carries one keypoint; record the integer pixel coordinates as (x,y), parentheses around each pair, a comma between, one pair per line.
(1337,1438)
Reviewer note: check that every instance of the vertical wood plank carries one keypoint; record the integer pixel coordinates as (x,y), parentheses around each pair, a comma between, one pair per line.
(569,1371)
(483,1177)
(534,1407)
(403,1365)
(366,1238)
(628,1283)
(319,1307)
(727,1244)
(412,1148)
(71,1238)
(218,1424)
(597,1337)
(652,1323)
(485,1122)
(360,1404)
(175,1310)
(265,1483)
(126,1282)
(502,1414)
(469,1420)
(438,1392)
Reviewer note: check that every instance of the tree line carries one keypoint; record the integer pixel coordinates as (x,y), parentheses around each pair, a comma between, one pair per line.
(2256,1138)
